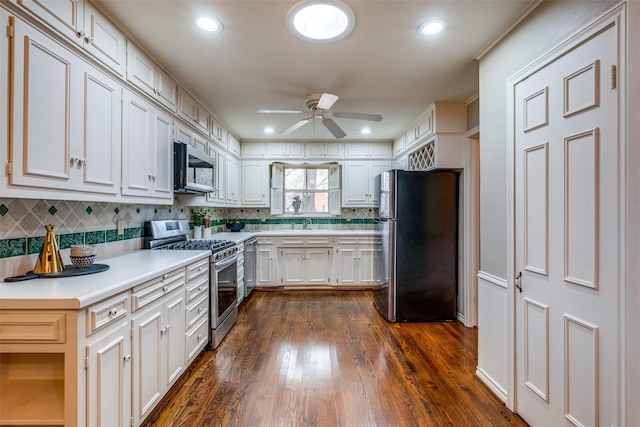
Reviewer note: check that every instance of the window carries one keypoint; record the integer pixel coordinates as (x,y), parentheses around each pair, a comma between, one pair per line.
(305,190)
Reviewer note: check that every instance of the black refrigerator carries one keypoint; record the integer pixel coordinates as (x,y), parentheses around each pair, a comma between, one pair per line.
(418,225)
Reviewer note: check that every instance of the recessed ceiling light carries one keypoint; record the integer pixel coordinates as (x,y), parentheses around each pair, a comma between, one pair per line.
(365,131)
(321,21)
(209,24)
(432,27)
(268,130)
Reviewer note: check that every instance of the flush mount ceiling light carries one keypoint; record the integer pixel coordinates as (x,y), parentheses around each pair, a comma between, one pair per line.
(321,21)
(433,26)
(209,24)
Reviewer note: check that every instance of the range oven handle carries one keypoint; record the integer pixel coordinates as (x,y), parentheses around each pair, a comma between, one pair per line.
(221,265)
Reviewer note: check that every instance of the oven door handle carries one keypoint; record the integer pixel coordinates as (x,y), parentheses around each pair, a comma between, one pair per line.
(221,265)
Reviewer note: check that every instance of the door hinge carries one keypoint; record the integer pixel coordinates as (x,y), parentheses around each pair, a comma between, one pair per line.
(10,28)
(614,77)
(131,332)
(86,362)
(131,421)
(8,168)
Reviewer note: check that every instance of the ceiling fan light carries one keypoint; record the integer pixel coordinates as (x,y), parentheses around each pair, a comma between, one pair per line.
(432,27)
(320,21)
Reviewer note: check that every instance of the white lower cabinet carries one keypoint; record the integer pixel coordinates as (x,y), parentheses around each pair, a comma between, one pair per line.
(108,377)
(305,266)
(158,335)
(266,260)
(358,265)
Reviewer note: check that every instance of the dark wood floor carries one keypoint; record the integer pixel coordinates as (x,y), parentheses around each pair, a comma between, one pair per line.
(329,359)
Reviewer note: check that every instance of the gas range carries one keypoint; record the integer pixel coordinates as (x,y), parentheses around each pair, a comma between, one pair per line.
(172,235)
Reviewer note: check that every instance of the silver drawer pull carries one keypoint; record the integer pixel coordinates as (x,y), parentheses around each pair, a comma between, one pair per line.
(199,309)
(113,313)
(199,337)
(165,288)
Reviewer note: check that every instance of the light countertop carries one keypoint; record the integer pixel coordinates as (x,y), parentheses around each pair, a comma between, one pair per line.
(77,292)
(241,236)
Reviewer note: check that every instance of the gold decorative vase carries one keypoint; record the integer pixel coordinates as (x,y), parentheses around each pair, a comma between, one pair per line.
(49,260)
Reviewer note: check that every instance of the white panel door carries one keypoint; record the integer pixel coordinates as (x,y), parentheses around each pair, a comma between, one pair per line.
(317,266)
(148,355)
(567,149)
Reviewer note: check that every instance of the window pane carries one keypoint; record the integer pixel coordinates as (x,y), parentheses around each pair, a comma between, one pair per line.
(310,202)
(294,178)
(318,179)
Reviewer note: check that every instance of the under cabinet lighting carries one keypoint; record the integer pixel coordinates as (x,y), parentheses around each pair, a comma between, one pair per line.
(209,24)
(320,21)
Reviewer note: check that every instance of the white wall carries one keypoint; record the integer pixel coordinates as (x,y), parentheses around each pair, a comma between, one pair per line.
(549,24)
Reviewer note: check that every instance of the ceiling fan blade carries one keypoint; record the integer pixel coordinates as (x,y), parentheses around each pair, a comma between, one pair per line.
(295,126)
(334,128)
(327,100)
(359,116)
(282,111)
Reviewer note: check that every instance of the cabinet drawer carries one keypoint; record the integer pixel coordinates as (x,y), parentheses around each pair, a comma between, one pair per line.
(107,312)
(292,240)
(197,310)
(265,241)
(197,338)
(197,269)
(156,288)
(317,240)
(32,327)
(357,239)
(195,290)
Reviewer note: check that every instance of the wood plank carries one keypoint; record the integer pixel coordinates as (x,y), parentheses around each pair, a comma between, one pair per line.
(327,358)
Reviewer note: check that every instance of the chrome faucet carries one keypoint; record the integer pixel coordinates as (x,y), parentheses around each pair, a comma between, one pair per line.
(307,223)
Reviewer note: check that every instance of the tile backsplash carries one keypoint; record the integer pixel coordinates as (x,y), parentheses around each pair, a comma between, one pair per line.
(22,226)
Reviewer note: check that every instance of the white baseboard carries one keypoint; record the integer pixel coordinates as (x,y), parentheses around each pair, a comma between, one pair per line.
(493,386)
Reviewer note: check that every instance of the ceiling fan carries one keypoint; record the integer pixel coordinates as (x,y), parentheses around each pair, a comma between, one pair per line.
(318,105)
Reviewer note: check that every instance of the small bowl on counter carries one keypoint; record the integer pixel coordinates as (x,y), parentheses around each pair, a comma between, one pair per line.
(84,261)
(235,226)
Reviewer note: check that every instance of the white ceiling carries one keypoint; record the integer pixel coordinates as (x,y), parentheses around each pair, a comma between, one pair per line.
(384,67)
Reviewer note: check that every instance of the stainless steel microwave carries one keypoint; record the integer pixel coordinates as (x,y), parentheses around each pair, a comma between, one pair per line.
(193,170)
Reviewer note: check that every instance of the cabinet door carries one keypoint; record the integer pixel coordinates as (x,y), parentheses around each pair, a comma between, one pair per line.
(255,183)
(166,89)
(380,151)
(108,398)
(163,156)
(367,265)
(356,184)
(375,168)
(136,146)
(254,150)
(317,266)
(46,106)
(64,15)
(102,136)
(346,265)
(173,336)
(265,265)
(292,266)
(233,175)
(147,362)
(140,69)
(357,150)
(103,40)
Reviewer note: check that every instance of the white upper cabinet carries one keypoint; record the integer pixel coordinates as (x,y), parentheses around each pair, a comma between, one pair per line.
(285,150)
(104,40)
(65,120)
(358,179)
(255,183)
(86,26)
(218,133)
(143,72)
(233,144)
(364,150)
(321,150)
(147,151)
(437,119)
(254,150)
(193,111)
